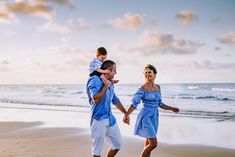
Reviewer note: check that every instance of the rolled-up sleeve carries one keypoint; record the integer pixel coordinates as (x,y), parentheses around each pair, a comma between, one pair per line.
(94,86)
(115,99)
(137,98)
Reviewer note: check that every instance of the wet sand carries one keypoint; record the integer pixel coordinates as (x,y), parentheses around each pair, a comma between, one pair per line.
(31,139)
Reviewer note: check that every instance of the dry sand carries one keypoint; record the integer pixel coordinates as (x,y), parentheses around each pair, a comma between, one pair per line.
(30,139)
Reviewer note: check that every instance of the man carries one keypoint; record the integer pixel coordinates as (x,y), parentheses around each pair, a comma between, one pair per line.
(103,124)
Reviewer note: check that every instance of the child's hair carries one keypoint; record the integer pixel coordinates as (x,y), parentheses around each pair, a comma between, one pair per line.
(101,51)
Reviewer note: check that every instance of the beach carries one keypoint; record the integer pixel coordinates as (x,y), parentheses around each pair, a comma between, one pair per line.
(28,139)
(53,121)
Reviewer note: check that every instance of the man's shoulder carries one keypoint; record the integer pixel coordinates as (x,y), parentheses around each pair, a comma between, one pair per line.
(94,80)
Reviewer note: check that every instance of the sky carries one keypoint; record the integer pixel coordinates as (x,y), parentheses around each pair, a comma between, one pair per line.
(53,41)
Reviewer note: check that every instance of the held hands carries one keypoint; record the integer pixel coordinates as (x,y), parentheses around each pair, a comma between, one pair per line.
(126,119)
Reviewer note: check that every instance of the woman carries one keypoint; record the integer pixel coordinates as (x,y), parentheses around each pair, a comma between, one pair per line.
(147,120)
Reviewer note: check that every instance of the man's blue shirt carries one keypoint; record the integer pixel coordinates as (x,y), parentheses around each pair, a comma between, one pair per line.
(102,110)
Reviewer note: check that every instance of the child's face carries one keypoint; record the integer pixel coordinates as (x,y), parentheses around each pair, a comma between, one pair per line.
(102,57)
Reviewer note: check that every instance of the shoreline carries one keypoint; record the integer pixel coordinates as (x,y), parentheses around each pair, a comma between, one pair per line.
(32,139)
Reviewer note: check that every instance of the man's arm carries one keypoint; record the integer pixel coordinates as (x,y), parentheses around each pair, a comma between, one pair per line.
(100,95)
(120,107)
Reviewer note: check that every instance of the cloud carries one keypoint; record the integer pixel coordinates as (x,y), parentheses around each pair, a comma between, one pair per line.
(6,16)
(187,16)
(196,65)
(38,8)
(66,65)
(76,62)
(62,2)
(227,38)
(215,20)
(5,65)
(65,48)
(206,64)
(8,33)
(4,69)
(72,25)
(70,65)
(34,62)
(212,65)
(155,23)
(6,62)
(154,42)
(128,21)
(217,48)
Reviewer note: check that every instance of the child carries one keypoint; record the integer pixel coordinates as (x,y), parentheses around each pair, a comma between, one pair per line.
(95,64)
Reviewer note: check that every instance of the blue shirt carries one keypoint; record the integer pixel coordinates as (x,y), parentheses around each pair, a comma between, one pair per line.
(94,64)
(102,110)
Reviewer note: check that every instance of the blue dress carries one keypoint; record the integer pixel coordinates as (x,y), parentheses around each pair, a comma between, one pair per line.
(147,120)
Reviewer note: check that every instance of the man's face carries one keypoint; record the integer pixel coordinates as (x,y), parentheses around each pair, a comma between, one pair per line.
(112,72)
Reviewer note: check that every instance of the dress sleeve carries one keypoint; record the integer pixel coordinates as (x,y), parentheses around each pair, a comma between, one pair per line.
(160,100)
(137,98)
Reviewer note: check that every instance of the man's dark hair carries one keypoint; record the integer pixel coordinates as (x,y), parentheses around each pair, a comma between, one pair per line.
(101,51)
(105,65)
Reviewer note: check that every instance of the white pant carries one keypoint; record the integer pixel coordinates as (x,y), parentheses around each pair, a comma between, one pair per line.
(101,130)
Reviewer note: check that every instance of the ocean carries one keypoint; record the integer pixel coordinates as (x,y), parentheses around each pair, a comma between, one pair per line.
(207,111)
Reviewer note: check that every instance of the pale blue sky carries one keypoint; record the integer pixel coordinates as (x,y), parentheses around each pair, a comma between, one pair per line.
(52,41)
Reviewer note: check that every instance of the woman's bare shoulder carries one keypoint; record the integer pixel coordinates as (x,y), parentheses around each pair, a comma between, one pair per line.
(157,87)
(144,86)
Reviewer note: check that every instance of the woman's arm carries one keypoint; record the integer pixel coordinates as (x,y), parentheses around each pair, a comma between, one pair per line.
(130,110)
(166,107)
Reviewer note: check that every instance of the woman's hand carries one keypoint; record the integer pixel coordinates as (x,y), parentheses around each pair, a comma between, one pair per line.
(126,119)
(175,109)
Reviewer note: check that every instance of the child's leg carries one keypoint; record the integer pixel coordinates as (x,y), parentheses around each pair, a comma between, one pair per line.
(102,77)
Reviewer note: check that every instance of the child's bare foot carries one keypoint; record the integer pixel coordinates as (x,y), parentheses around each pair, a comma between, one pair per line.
(115,81)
